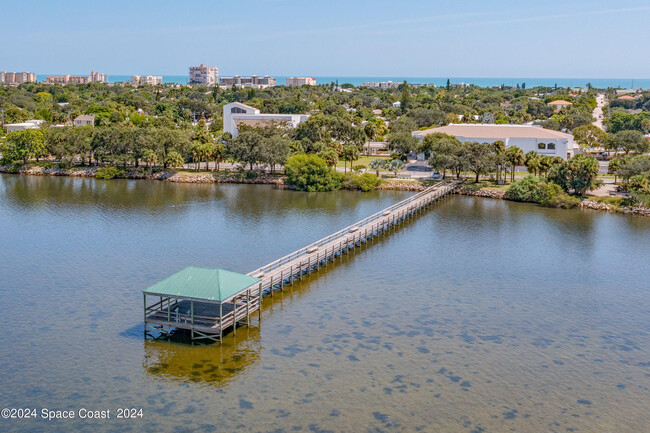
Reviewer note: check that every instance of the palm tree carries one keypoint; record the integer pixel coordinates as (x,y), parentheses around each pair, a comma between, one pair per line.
(396,165)
(350,153)
(532,162)
(151,158)
(615,165)
(205,151)
(545,163)
(377,164)
(218,152)
(515,157)
(174,159)
(499,150)
(371,133)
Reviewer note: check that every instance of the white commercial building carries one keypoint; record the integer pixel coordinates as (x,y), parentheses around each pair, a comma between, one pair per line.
(28,124)
(237,114)
(141,80)
(208,75)
(381,85)
(300,81)
(526,137)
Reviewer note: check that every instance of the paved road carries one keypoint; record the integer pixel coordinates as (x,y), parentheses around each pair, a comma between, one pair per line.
(598,111)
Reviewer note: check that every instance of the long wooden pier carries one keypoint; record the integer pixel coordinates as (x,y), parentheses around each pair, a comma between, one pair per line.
(310,258)
(208,317)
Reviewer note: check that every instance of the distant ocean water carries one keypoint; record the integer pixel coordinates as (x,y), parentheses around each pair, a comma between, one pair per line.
(643,83)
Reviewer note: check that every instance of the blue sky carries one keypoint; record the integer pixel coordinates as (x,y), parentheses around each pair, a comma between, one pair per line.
(470,38)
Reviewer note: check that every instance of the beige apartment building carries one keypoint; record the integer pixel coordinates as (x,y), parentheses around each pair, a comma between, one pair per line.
(300,81)
(94,77)
(141,80)
(208,75)
(254,81)
(84,120)
(17,77)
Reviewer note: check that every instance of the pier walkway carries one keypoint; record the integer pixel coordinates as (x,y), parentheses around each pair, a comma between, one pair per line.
(308,259)
(209,301)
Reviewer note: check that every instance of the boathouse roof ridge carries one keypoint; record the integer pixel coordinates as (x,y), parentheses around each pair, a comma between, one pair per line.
(207,284)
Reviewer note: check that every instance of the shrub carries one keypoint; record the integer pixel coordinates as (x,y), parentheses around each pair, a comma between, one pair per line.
(13,167)
(365,182)
(596,184)
(533,189)
(251,174)
(109,172)
(311,173)
(529,189)
(554,196)
(639,188)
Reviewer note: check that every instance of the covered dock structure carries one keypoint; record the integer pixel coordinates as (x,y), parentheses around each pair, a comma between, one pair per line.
(209,301)
(204,301)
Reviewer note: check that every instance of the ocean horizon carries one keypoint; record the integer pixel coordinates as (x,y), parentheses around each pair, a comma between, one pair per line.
(600,83)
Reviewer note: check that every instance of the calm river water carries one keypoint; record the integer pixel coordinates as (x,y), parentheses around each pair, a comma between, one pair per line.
(479,316)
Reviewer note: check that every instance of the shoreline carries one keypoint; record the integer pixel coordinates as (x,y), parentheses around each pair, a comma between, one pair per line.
(268,179)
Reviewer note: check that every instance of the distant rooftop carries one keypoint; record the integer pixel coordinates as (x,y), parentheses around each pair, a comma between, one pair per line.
(560,102)
(491,131)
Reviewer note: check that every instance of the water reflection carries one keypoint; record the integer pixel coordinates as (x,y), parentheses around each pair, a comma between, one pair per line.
(27,192)
(213,364)
(252,202)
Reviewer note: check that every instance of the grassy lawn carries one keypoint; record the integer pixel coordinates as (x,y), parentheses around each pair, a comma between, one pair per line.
(485,184)
(364,160)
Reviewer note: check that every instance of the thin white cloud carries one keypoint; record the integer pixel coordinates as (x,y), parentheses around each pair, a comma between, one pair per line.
(517,20)
(135,33)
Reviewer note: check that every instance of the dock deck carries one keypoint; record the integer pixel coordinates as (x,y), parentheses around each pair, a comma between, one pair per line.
(210,317)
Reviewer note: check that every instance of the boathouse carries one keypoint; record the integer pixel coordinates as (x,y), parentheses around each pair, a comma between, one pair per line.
(205,301)
(209,301)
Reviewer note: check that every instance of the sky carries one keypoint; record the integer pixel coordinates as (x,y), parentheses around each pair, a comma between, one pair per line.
(409,38)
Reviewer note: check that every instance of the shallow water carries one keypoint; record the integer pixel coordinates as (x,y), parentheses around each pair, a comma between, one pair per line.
(479,316)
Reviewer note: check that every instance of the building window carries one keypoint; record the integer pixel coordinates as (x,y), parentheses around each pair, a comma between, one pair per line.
(541,146)
(237,110)
(551,146)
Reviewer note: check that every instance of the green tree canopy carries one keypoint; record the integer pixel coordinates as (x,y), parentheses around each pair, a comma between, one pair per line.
(311,173)
(589,136)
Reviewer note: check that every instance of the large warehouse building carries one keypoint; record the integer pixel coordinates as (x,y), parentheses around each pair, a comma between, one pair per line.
(526,137)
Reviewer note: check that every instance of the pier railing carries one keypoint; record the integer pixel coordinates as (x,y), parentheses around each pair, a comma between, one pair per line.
(442,188)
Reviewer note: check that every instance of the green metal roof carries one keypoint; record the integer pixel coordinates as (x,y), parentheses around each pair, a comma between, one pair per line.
(203,283)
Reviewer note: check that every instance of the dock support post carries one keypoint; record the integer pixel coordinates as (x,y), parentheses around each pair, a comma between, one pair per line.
(144,300)
(192,318)
(282,280)
(221,322)
(271,286)
(248,307)
(234,316)
(291,277)
(259,303)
